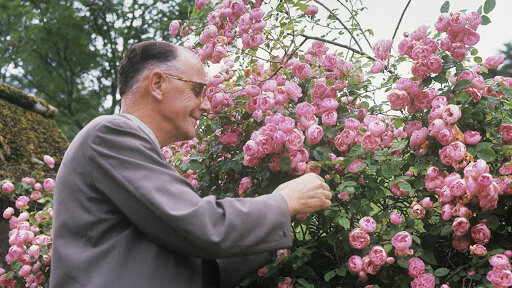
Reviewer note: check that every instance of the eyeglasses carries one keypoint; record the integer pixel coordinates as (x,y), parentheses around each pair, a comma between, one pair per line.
(199,88)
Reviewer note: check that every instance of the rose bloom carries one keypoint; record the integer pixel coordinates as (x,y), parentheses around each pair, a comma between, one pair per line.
(48,184)
(263,271)
(416,267)
(367,224)
(480,233)
(460,243)
(417,211)
(378,255)
(472,137)
(295,140)
(314,134)
(329,118)
(398,99)
(500,277)
(500,261)
(311,10)
(395,218)
(424,281)
(8,187)
(506,132)
(378,66)
(355,263)
(451,114)
(358,239)
(402,240)
(21,202)
(356,166)
(282,255)
(397,191)
(478,250)
(286,283)
(494,61)
(460,226)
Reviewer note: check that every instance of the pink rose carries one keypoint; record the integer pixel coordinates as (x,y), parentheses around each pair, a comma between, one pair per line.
(357,166)
(283,255)
(301,70)
(8,213)
(402,240)
(286,283)
(352,124)
(329,118)
(293,90)
(395,218)
(424,281)
(311,10)
(21,202)
(8,187)
(28,180)
(456,151)
(474,19)
(420,69)
(458,21)
(451,114)
(416,267)
(263,271)
(418,137)
(49,161)
(314,134)
(244,186)
(200,3)
(229,139)
(471,37)
(472,137)
(500,261)
(417,211)
(443,22)
(256,14)
(382,49)
(460,226)
(48,184)
(458,51)
(355,263)
(478,250)
(174,28)
(445,136)
(358,239)
(36,195)
(500,277)
(427,203)
(304,109)
(506,131)
(445,44)
(378,66)
(331,61)
(480,233)
(378,255)
(397,191)
(367,224)
(458,187)
(371,142)
(485,180)
(494,61)
(295,140)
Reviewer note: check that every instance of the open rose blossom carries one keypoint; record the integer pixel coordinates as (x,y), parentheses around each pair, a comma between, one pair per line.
(460,226)
(355,263)
(424,281)
(480,233)
(358,239)
(416,267)
(7,187)
(402,240)
(356,166)
(395,218)
(367,224)
(378,255)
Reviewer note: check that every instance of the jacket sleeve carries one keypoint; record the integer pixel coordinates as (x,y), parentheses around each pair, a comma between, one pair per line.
(130,170)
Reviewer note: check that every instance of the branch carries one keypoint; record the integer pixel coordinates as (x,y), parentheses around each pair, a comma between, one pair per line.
(287,59)
(400,20)
(341,22)
(339,45)
(357,22)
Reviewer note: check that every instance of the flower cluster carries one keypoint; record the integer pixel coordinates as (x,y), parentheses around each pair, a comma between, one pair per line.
(408,94)
(461,32)
(500,275)
(382,53)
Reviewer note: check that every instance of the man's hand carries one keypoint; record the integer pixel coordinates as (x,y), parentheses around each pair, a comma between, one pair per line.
(305,194)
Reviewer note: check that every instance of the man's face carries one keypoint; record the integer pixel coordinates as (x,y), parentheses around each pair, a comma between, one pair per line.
(182,105)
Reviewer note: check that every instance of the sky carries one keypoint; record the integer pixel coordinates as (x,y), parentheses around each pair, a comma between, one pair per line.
(382,16)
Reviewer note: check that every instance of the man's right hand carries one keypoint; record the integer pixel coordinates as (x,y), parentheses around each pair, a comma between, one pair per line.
(306,194)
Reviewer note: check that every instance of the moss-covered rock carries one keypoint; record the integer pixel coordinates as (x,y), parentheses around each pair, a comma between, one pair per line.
(27,134)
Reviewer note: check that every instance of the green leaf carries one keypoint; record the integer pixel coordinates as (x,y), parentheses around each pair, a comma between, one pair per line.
(353,80)
(474,51)
(285,163)
(421,165)
(322,154)
(477,59)
(305,283)
(507,91)
(464,83)
(485,20)
(445,7)
(416,238)
(493,222)
(403,263)
(329,275)
(486,154)
(405,186)
(441,272)
(398,122)
(447,229)
(429,258)
(344,222)
(489,6)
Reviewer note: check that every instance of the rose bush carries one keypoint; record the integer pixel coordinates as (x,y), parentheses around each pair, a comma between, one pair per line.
(422,180)
(30,235)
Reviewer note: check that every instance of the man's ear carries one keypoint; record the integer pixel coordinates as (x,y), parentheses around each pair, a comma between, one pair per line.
(156,83)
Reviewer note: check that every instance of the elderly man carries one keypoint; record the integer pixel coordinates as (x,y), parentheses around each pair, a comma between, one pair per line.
(125,218)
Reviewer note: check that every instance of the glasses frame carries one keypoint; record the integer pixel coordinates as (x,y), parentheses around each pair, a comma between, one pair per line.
(203,85)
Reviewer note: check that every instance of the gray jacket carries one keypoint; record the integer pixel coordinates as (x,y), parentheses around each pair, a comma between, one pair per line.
(124,218)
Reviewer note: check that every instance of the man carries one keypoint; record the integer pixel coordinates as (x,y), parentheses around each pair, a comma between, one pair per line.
(125,218)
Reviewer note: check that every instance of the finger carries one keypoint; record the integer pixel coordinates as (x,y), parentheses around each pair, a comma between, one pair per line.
(325,187)
(327,195)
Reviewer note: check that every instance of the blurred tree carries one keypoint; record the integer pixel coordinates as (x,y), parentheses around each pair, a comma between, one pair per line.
(67,52)
(506,68)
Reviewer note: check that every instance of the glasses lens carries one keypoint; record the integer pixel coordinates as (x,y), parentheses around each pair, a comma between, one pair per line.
(199,89)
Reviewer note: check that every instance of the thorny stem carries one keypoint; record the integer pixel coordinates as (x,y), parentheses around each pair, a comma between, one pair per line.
(357,22)
(341,22)
(400,20)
